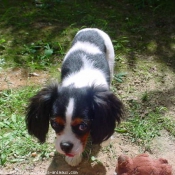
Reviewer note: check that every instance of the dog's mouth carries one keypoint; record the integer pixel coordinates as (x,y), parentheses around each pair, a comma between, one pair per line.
(70,155)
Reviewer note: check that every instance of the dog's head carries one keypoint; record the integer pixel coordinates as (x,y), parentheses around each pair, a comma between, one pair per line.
(74,114)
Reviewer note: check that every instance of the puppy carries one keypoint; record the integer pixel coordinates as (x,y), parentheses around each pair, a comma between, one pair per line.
(82,105)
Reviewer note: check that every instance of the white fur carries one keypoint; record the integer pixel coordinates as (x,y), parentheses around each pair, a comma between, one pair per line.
(69,136)
(69,110)
(74,161)
(84,46)
(109,48)
(87,76)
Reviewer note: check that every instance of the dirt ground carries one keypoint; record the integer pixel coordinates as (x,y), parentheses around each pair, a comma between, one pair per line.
(15,78)
(106,157)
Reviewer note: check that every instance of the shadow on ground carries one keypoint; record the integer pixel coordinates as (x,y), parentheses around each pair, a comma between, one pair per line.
(86,167)
(148,32)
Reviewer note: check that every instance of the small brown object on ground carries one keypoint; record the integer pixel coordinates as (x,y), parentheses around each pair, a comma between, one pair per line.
(142,165)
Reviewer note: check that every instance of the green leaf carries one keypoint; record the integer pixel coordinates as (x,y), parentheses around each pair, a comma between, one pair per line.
(121,74)
(16,160)
(2,41)
(3,159)
(48,52)
(2,124)
(119,80)
(7,135)
(93,158)
(119,77)
(121,130)
(13,118)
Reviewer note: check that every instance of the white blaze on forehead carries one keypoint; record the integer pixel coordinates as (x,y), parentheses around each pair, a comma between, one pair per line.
(67,134)
(69,111)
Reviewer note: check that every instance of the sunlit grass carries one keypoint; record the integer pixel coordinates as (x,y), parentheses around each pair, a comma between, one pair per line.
(16,145)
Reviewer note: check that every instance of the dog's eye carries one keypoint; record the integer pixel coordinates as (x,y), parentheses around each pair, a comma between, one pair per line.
(56,126)
(83,126)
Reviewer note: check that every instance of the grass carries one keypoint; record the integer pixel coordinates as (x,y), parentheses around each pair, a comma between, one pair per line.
(142,129)
(16,145)
(38,38)
(142,126)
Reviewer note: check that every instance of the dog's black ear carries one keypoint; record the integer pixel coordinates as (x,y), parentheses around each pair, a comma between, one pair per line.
(39,111)
(107,110)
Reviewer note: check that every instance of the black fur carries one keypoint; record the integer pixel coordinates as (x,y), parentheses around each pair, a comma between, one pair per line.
(92,37)
(95,104)
(74,63)
(107,109)
(71,65)
(39,112)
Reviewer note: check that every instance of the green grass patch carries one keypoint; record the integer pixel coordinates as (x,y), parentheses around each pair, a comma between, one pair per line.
(155,5)
(142,127)
(169,125)
(16,145)
(38,37)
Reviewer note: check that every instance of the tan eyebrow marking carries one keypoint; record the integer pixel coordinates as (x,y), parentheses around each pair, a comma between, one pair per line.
(76,121)
(59,120)
(84,139)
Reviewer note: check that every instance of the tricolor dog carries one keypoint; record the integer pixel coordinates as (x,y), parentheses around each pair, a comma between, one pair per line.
(82,104)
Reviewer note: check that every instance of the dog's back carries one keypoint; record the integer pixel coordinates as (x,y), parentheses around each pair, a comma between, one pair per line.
(90,59)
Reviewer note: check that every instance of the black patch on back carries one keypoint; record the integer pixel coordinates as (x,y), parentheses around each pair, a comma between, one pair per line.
(74,62)
(91,36)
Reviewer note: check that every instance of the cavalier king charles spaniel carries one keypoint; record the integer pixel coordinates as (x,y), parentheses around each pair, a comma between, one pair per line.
(82,104)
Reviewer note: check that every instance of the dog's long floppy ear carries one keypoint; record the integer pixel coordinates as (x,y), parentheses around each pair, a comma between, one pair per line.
(107,110)
(39,111)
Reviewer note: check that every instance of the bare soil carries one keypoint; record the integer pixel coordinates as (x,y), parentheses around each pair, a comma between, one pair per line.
(106,157)
(17,77)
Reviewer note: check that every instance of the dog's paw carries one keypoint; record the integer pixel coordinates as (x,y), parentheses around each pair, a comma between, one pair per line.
(73,161)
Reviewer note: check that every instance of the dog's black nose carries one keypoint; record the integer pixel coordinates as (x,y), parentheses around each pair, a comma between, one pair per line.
(66,146)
